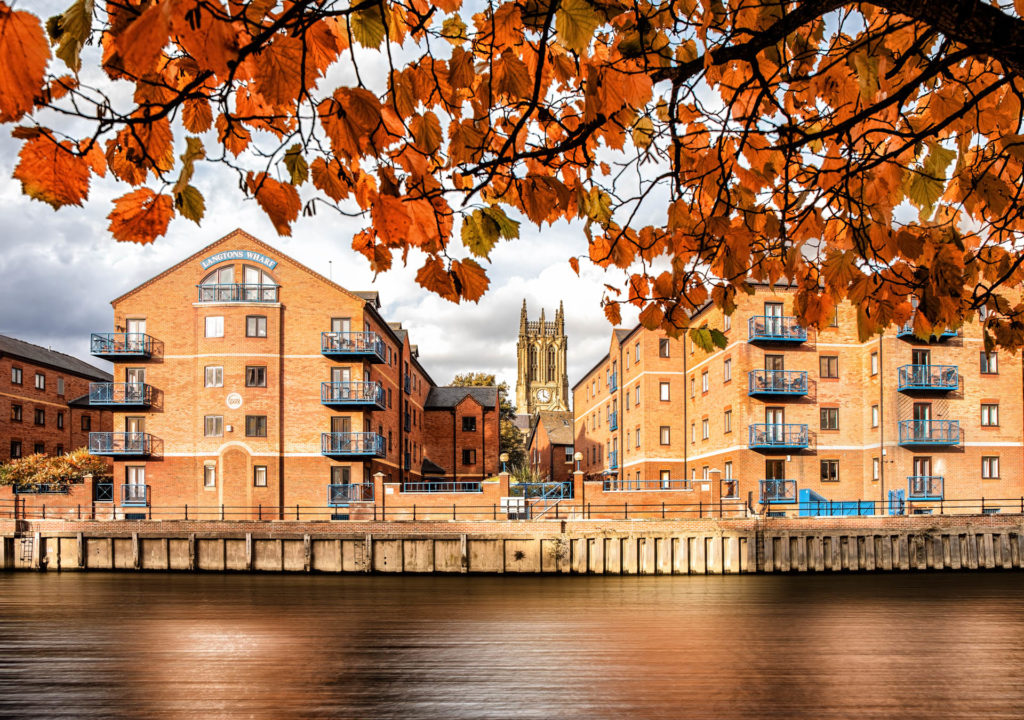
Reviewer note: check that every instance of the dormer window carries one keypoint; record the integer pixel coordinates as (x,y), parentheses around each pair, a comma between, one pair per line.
(257,286)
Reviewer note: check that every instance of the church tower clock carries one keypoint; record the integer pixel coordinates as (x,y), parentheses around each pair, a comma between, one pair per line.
(543,380)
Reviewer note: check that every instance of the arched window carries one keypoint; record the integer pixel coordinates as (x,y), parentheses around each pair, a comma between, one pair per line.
(218,285)
(259,285)
(533,363)
(551,364)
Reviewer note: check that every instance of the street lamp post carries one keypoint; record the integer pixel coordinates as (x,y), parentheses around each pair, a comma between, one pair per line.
(504,459)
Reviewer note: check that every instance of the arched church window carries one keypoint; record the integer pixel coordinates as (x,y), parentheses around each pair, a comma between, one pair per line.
(551,364)
(533,363)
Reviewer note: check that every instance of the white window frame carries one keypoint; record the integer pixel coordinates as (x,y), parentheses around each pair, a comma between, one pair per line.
(217,373)
(990,414)
(213,426)
(704,381)
(214,326)
(209,476)
(727,369)
(664,392)
(990,467)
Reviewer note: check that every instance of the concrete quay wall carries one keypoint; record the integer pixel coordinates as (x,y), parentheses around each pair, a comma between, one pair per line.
(680,547)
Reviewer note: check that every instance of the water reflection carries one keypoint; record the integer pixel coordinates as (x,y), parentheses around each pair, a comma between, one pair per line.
(184,646)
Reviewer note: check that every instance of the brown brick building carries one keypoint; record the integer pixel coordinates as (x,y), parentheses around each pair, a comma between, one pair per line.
(782,413)
(245,379)
(549,447)
(44,400)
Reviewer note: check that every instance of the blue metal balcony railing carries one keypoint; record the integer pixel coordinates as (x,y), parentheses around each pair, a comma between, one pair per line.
(938,378)
(616,485)
(103,492)
(353,444)
(238,292)
(781,436)
(924,487)
(613,460)
(120,443)
(134,494)
(777,491)
(352,394)
(442,486)
(408,384)
(121,345)
(772,328)
(929,432)
(777,382)
(366,345)
(345,493)
(613,421)
(121,394)
(613,382)
(907,333)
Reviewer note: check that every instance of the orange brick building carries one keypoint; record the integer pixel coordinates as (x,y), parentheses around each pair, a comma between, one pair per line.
(44,400)
(549,447)
(783,414)
(244,379)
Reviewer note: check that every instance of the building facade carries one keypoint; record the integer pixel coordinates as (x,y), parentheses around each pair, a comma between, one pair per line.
(44,404)
(244,379)
(784,414)
(549,447)
(543,379)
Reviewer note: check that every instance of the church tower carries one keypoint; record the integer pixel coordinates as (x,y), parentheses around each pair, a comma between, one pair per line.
(543,380)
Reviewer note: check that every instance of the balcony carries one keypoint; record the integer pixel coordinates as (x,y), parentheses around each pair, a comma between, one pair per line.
(613,421)
(775,329)
(613,460)
(134,494)
(353,346)
(776,383)
(345,493)
(117,346)
(613,382)
(924,487)
(442,486)
(907,333)
(121,394)
(777,491)
(237,293)
(778,436)
(356,445)
(928,378)
(120,444)
(915,433)
(367,395)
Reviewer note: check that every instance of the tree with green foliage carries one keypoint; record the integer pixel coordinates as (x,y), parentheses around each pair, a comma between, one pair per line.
(510,437)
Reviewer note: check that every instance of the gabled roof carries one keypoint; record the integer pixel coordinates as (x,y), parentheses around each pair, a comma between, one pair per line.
(370,296)
(449,397)
(558,425)
(431,468)
(51,358)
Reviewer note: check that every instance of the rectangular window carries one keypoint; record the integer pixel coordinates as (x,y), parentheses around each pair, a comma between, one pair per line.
(727,421)
(40,416)
(728,467)
(876,469)
(636,353)
(664,391)
(704,381)
(255,325)
(693,432)
(214,376)
(830,471)
(468,424)
(255,425)
(215,326)
(40,381)
(665,438)
(568,453)
(663,348)
(16,376)
(989,467)
(209,476)
(874,416)
(15,449)
(86,423)
(60,386)
(989,415)
(213,426)
(636,396)
(727,369)
(255,376)
(60,420)
(989,363)
(693,386)
(59,450)
(705,429)
(259,475)
(829,418)
(15,413)
(469,457)
(39,448)
(828,366)
(727,323)
(638,436)
(874,363)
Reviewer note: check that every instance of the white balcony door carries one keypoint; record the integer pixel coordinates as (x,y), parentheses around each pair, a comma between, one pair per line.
(134,424)
(773,318)
(342,325)
(922,466)
(136,330)
(135,376)
(775,419)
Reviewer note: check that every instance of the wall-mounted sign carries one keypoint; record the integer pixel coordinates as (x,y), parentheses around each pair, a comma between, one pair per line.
(234,401)
(247,255)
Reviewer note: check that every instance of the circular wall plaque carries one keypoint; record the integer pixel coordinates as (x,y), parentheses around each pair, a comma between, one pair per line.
(234,401)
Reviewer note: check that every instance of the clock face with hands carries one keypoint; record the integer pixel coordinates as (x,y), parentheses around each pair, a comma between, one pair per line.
(544,395)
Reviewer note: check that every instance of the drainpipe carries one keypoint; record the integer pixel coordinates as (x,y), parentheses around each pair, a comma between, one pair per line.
(686,424)
(881,422)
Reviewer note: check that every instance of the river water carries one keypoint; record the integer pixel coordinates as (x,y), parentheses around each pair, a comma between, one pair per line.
(103,645)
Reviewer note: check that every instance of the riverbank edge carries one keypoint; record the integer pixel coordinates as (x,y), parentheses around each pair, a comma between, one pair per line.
(618,547)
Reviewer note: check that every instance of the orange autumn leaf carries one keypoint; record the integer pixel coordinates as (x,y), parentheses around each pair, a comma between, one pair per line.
(232,134)
(52,172)
(196,115)
(280,201)
(471,280)
(142,42)
(141,216)
(434,277)
(24,54)
(329,177)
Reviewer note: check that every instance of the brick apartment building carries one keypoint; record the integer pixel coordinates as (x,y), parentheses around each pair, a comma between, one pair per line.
(44,401)
(245,379)
(549,447)
(782,413)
